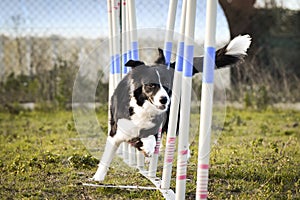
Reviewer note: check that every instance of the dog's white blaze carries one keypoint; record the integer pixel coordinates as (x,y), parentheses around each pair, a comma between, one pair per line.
(142,116)
(160,93)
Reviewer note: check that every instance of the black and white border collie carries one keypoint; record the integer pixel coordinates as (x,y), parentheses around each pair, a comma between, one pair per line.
(140,103)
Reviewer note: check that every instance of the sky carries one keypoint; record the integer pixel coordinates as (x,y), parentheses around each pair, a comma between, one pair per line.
(88,18)
(289,4)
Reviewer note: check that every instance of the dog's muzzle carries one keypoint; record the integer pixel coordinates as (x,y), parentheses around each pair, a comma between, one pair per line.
(164,103)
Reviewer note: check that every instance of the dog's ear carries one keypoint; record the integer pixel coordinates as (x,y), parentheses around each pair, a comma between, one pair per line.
(134,63)
(172,65)
(198,65)
(161,58)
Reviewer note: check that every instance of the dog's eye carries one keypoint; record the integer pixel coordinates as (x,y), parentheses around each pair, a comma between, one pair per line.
(150,85)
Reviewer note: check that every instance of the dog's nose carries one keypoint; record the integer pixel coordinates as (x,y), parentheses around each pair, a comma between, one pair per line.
(163,100)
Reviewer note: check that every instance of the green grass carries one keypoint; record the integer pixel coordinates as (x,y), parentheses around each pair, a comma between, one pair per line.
(257,157)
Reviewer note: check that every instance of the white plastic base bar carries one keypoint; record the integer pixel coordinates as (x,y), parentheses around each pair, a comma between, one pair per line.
(168,194)
(120,186)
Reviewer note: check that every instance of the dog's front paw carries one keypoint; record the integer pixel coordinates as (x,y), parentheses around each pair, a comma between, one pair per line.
(100,173)
(149,144)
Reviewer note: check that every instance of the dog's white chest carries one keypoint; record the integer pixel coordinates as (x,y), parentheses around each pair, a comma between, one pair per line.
(143,115)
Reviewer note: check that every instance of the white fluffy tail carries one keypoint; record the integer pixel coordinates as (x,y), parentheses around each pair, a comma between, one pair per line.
(239,45)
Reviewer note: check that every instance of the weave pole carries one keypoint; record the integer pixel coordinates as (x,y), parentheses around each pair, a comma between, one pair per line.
(125,58)
(206,100)
(133,30)
(115,5)
(124,37)
(183,139)
(170,30)
(115,76)
(175,99)
(111,68)
(128,38)
(168,51)
(135,158)
(116,40)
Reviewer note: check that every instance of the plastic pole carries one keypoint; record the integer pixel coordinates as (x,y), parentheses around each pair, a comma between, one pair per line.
(111,70)
(134,56)
(130,149)
(128,42)
(168,52)
(124,38)
(153,162)
(183,139)
(170,30)
(133,30)
(116,45)
(125,34)
(206,100)
(175,99)
(116,40)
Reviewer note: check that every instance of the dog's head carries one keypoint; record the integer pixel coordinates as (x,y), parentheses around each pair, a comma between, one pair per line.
(152,83)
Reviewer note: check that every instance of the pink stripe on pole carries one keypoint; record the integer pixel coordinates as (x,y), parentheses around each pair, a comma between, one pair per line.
(182,177)
(203,196)
(172,140)
(184,152)
(203,166)
(156,150)
(170,149)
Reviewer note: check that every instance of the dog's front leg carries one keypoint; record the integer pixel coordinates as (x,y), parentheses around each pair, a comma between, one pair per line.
(126,130)
(108,154)
(148,146)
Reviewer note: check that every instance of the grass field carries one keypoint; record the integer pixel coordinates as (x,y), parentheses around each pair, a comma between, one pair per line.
(257,157)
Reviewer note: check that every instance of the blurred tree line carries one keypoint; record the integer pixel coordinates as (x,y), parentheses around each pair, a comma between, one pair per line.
(40,73)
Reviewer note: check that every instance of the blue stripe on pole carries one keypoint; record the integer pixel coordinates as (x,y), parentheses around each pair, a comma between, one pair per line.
(129,55)
(125,59)
(112,68)
(180,54)
(168,52)
(188,62)
(135,52)
(209,64)
(117,64)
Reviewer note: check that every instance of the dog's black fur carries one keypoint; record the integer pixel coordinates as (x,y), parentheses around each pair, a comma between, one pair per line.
(140,83)
(141,77)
